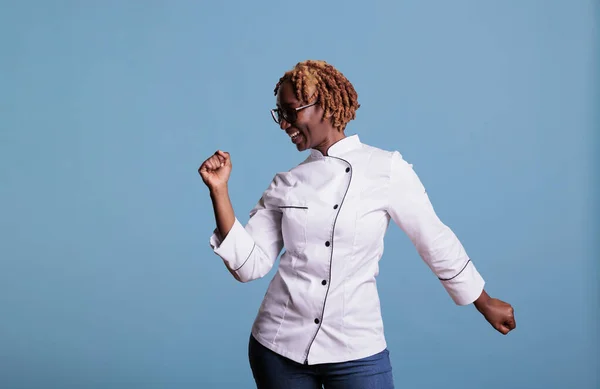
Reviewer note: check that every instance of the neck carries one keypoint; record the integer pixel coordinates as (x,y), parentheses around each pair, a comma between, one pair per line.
(335,137)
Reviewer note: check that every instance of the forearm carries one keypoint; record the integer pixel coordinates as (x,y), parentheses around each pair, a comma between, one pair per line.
(224,215)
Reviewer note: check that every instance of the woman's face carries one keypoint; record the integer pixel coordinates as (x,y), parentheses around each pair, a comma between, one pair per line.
(309,129)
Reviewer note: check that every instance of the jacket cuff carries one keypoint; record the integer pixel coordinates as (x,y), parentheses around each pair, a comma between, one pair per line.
(465,287)
(235,249)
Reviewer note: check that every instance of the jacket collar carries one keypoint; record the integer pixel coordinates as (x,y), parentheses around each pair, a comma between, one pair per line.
(339,148)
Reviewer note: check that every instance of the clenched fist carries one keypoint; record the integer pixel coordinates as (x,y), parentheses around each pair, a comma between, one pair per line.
(215,170)
(500,315)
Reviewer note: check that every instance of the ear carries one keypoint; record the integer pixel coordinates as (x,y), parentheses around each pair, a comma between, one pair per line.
(327,118)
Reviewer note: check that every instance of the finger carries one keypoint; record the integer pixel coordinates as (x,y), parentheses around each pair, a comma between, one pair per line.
(511,324)
(215,162)
(210,166)
(503,329)
(224,155)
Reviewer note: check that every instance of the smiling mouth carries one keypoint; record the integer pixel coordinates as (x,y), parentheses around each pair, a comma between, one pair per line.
(296,137)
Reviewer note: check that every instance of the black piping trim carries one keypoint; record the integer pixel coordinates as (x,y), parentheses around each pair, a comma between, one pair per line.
(451,278)
(330,260)
(292,206)
(251,251)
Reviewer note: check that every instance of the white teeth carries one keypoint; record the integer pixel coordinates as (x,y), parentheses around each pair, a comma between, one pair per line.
(294,134)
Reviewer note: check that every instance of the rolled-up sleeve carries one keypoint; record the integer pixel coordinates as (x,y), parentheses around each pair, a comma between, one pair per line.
(410,208)
(250,251)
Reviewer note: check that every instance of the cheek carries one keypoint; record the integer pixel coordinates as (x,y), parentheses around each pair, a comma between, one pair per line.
(304,125)
(313,125)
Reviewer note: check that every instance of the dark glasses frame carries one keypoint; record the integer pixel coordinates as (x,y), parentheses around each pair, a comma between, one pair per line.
(278,113)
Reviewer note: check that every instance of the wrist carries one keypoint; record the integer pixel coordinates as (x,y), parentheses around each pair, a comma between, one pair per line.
(217,191)
(482,301)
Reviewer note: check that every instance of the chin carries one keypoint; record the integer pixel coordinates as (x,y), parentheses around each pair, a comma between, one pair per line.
(302,146)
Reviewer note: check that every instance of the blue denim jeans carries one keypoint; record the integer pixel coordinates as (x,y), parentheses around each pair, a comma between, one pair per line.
(273,371)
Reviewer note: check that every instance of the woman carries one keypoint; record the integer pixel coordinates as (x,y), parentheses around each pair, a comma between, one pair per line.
(320,322)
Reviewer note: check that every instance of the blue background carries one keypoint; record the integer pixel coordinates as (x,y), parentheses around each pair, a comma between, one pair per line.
(107,108)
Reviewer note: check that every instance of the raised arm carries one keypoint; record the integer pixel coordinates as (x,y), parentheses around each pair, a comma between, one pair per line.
(248,252)
(215,172)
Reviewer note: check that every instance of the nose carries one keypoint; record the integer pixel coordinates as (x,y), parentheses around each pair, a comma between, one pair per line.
(284,125)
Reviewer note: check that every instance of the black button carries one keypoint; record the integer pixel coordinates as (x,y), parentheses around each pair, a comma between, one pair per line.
(324,282)
(335,206)
(316,321)
(347,170)
(327,243)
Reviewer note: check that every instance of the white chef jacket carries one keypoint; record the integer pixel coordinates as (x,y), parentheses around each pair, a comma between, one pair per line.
(331,214)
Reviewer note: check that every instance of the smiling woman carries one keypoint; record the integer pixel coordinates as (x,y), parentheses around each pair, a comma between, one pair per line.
(314,83)
(320,323)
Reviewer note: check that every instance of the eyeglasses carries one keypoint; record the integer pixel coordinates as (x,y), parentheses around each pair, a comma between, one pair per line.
(289,114)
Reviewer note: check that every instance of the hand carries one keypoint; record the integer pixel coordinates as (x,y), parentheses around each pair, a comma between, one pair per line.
(215,170)
(498,313)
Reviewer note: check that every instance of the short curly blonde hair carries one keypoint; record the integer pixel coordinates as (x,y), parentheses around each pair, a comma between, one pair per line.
(319,80)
